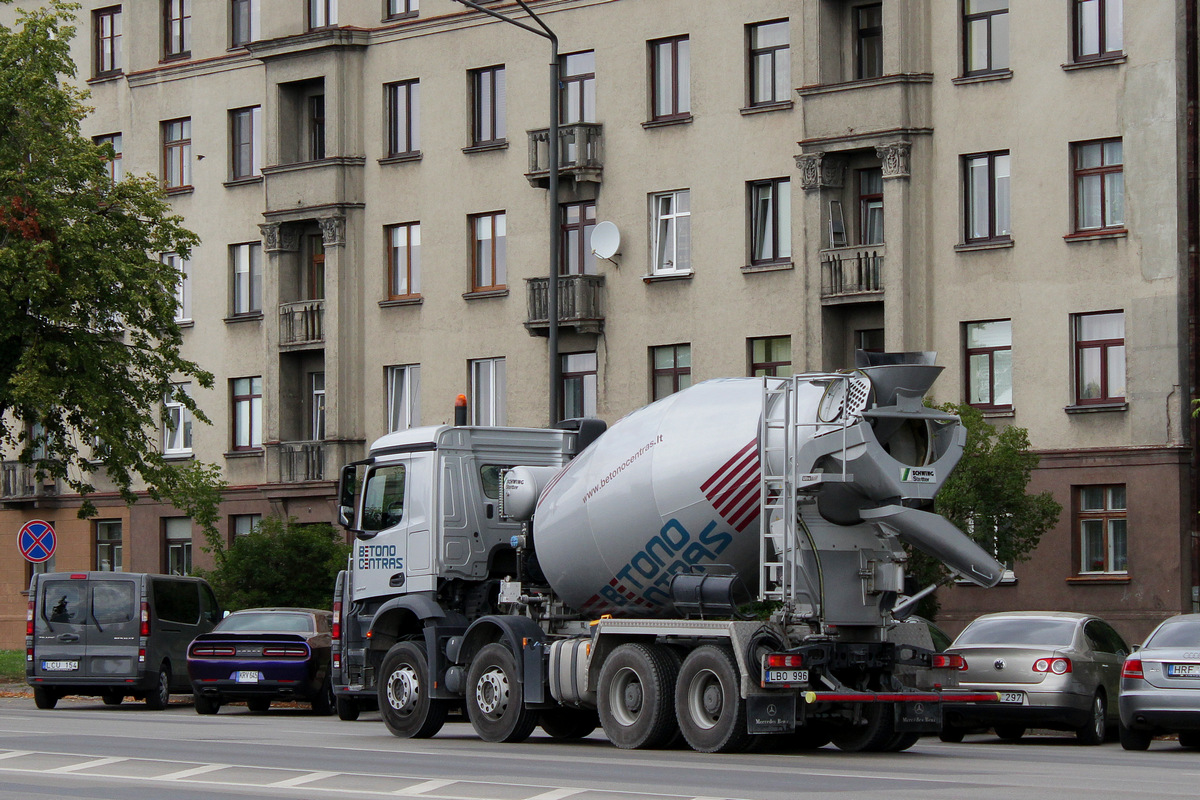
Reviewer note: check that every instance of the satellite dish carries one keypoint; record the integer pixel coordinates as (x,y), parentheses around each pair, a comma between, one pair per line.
(606,240)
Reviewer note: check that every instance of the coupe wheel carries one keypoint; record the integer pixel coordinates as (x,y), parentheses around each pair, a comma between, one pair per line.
(258,704)
(323,703)
(496,697)
(206,705)
(159,697)
(636,696)
(404,702)
(709,703)
(1093,732)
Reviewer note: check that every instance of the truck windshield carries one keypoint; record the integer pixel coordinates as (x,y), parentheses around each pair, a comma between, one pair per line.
(383,498)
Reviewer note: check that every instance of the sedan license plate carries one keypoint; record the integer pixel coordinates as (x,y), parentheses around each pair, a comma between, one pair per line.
(60,666)
(1183,670)
(1012,697)
(247,676)
(787,676)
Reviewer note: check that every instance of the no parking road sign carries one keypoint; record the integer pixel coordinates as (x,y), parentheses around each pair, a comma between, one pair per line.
(37,541)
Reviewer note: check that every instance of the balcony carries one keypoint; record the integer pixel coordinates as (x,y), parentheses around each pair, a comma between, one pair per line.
(580,304)
(580,153)
(852,274)
(864,110)
(20,484)
(300,461)
(302,324)
(334,181)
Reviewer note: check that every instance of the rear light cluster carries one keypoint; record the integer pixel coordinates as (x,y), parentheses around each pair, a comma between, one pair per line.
(948,661)
(29,619)
(336,636)
(784,661)
(284,651)
(213,651)
(145,628)
(1133,669)
(1057,666)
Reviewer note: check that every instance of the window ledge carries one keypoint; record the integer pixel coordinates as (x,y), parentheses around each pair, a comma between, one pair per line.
(668,276)
(665,123)
(253,453)
(1099,579)
(254,316)
(400,17)
(998,412)
(763,108)
(487,147)
(485,294)
(172,58)
(188,456)
(401,158)
(186,323)
(1106,61)
(1096,235)
(987,77)
(106,77)
(415,300)
(1091,408)
(775,266)
(994,244)
(251,181)
(179,190)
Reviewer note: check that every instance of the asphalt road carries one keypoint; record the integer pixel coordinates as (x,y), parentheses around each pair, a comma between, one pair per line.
(83,750)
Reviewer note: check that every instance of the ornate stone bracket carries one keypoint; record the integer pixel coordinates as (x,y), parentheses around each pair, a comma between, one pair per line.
(895,159)
(821,171)
(333,230)
(280,237)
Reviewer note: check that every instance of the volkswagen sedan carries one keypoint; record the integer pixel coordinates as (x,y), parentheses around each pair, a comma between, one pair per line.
(1160,685)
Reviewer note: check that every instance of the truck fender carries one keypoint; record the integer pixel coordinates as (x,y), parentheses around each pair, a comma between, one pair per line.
(521,635)
(417,609)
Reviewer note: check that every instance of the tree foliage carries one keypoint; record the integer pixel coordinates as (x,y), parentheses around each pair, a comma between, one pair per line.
(279,563)
(89,344)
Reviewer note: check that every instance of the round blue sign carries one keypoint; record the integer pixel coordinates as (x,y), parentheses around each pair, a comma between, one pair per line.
(37,541)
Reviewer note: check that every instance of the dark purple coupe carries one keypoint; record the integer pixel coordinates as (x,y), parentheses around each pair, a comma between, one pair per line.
(263,654)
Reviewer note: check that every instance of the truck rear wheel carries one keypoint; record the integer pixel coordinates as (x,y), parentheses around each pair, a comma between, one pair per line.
(496,697)
(404,702)
(568,723)
(709,703)
(636,696)
(872,737)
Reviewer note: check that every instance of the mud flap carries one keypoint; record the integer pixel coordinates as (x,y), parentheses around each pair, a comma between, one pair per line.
(771,713)
(918,716)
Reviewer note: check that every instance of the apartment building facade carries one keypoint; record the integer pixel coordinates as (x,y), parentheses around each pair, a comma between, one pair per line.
(1003,182)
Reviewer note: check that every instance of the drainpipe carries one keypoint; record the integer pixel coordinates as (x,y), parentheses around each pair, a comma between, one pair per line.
(1193,289)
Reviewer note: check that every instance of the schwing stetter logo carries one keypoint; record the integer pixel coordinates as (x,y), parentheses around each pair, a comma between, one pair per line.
(917,475)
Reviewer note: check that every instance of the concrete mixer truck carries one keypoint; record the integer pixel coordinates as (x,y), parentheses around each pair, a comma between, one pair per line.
(724,564)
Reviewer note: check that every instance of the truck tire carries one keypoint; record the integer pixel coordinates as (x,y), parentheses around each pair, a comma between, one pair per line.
(874,736)
(206,705)
(347,708)
(159,695)
(45,697)
(709,704)
(568,723)
(404,702)
(636,696)
(902,741)
(496,697)
(1010,732)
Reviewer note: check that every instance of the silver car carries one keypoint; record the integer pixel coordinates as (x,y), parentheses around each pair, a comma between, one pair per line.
(1050,669)
(1160,685)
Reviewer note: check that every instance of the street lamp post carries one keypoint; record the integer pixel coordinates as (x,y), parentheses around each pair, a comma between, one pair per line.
(552,157)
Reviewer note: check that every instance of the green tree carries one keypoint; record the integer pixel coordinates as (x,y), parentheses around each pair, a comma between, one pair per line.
(986,498)
(89,345)
(279,563)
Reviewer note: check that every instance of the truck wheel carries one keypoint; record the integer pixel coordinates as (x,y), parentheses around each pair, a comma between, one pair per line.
(404,702)
(322,704)
(159,696)
(874,736)
(636,696)
(902,741)
(44,697)
(1010,732)
(496,697)
(206,705)
(709,703)
(951,734)
(807,737)
(568,723)
(347,708)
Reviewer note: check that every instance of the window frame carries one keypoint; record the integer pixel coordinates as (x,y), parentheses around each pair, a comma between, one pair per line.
(403,406)
(314,110)
(498,252)
(1105,346)
(102,544)
(488,123)
(672,220)
(177,29)
(321,14)
(1079,19)
(316,394)
(115,166)
(176,547)
(250,396)
(769,366)
(991,68)
(679,68)
(106,42)
(970,201)
(245,155)
(183,289)
(237,36)
(400,9)
(580,84)
(575,238)
(253,274)
(181,426)
(579,370)
(779,222)
(868,203)
(864,35)
(495,411)
(412,260)
(177,154)
(1106,516)
(771,53)
(1103,172)
(403,132)
(680,376)
(988,352)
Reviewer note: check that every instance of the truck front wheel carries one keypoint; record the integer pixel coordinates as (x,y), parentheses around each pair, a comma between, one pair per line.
(496,697)
(709,703)
(636,696)
(404,702)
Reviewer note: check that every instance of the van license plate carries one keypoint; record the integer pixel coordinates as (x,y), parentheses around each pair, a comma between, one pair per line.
(1012,697)
(247,676)
(1183,670)
(787,676)
(60,666)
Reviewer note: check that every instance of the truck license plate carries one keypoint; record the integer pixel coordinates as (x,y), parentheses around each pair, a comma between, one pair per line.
(1012,697)
(60,666)
(247,676)
(787,676)
(1183,670)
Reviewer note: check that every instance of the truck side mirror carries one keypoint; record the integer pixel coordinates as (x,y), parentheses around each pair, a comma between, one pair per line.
(346,485)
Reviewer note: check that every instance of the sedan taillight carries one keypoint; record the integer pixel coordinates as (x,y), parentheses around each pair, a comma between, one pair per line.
(1133,669)
(1057,666)
(948,661)
(285,652)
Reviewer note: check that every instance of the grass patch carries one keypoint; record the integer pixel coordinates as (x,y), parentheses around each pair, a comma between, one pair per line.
(12,666)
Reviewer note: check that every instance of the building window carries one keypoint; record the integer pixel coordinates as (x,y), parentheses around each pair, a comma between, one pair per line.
(404,118)
(177,154)
(989,363)
(398,9)
(488,93)
(578,386)
(985,36)
(578,93)
(177,536)
(108,545)
(671,238)
(987,196)
(183,287)
(578,221)
(106,26)
(670,369)
(771,356)
(770,63)
(1101,519)
(316,385)
(316,127)
(488,389)
(322,13)
(244,524)
(116,170)
(1099,185)
(670,70)
(489,251)
(870,206)
(771,221)
(1099,357)
(177,34)
(868,41)
(246,394)
(244,22)
(246,265)
(1098,29)
(177,422)
(403,396)
(869,340)
(245,131)
(404,260)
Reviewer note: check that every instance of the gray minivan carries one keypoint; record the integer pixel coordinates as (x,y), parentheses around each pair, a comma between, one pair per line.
(113,634)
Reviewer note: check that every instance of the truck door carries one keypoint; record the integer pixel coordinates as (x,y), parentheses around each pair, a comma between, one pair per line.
(381,551)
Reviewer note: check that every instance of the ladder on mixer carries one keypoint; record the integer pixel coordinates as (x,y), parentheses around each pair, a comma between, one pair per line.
(777,549)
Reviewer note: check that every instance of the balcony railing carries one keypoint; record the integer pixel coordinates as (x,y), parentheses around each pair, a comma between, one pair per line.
(580,153)
(580,304)
(301,461)
(852,273)
(302,323)
(18,482)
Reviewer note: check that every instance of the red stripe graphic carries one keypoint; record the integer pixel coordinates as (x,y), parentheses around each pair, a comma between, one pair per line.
(733,489)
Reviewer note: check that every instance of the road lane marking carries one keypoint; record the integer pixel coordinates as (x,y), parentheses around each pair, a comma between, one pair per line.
(16,753)
(95,762)
(421,788)
(183,774)
(557,794)
(299,780)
